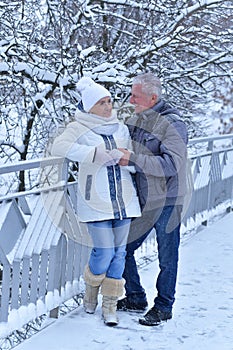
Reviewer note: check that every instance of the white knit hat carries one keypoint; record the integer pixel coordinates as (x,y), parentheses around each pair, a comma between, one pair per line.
(91,92)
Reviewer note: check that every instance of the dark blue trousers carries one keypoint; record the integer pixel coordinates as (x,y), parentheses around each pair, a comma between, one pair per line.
(167,227)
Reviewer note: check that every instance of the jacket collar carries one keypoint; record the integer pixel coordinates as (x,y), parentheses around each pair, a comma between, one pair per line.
(165,108)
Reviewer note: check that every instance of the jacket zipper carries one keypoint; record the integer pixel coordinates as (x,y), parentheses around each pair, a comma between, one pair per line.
(116,185)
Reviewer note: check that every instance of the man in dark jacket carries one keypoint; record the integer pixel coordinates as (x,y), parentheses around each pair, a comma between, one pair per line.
(159,138)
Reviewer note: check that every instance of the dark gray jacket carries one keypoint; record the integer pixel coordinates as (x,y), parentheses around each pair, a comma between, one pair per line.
(159,139)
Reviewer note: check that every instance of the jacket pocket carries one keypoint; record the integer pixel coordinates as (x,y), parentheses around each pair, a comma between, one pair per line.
(88,187)
(152,143)
(157,187)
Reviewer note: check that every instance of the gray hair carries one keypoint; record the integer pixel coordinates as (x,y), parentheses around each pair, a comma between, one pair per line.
(150,84)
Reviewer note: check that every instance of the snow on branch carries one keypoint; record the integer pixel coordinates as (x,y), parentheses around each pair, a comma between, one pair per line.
(188,11)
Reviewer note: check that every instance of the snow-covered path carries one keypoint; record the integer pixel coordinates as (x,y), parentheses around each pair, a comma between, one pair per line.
(203,312)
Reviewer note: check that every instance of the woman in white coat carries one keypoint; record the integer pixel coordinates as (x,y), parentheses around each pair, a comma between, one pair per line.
(107,198)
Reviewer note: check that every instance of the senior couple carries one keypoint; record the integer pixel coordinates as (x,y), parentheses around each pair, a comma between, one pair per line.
(131,181)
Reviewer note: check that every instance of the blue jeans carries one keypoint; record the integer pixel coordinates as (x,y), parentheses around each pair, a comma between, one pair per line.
(109,246)
(168,245)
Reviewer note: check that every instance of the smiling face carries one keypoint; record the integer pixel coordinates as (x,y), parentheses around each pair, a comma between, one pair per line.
(140,99)
(103,107)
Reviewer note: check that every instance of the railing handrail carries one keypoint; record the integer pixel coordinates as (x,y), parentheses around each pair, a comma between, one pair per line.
(35,164)
(60,185)
(209,153)
(210,138)
(29,164)
(48,161)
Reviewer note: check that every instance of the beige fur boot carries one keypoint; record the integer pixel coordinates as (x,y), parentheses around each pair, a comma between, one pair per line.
(111,289)
(93,283)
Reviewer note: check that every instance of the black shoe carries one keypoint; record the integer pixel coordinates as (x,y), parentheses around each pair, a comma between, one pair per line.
(126,305)
(154,317)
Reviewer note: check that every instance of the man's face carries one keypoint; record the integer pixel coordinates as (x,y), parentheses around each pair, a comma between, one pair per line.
(140,100)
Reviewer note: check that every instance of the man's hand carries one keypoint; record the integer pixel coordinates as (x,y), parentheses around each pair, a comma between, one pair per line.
(125,158)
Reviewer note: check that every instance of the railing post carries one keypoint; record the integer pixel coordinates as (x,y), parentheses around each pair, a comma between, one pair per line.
(210,145)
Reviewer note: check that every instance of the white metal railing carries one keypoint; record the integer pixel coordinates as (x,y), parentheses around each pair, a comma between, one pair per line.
(43,247)
(212,171)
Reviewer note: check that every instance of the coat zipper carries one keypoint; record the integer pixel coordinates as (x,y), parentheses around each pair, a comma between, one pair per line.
(116,185)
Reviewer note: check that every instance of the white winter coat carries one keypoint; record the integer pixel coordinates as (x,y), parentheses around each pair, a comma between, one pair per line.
(104,192)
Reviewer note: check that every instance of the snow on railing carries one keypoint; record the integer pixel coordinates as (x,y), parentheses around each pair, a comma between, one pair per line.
(43,247)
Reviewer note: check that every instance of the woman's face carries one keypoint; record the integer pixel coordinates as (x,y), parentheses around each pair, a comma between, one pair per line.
(103,107)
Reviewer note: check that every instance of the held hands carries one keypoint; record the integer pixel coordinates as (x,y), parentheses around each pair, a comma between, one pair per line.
(107,158)
(124,161)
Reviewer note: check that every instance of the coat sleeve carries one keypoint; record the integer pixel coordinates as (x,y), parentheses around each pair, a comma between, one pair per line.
(170,156)
(66,145)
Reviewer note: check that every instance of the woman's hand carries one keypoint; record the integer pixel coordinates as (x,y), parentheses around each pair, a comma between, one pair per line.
(107,158)
(124,161)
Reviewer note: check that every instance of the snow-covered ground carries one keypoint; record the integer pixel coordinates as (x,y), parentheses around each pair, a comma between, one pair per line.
(203,312)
